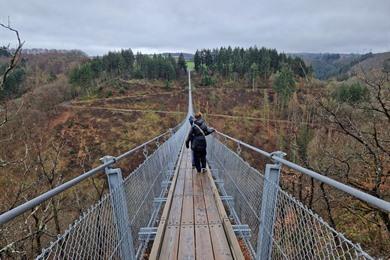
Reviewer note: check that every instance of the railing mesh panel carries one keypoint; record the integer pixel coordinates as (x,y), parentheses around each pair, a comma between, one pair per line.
(95,235)
(297,233)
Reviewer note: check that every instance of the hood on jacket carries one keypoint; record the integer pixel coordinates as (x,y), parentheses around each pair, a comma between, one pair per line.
(191,119)
(199,121)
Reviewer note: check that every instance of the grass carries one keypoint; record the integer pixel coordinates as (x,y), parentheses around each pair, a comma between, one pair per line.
(190,65)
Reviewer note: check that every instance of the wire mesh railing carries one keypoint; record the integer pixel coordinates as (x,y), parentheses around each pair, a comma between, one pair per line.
(241,181)
(293,230)
(148,182)
(99,233)
(29,227)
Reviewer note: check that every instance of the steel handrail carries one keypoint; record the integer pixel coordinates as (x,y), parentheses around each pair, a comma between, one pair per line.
(379,203)
(9,215)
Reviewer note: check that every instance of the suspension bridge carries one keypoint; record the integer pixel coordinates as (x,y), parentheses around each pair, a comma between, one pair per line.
(165,210)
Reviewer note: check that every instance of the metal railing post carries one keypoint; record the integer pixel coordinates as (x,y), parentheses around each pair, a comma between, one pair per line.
(268,208)
(118,201)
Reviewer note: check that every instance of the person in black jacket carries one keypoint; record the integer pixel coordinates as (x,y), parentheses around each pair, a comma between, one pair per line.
(191,120)
(197,137)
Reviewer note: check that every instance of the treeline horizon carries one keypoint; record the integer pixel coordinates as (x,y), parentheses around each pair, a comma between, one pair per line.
(261,61)
(232,63)
(227,62)
(125,64)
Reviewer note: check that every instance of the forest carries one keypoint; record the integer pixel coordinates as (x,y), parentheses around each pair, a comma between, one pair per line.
(59,122)
(240,63)
(129,66)
(252,61)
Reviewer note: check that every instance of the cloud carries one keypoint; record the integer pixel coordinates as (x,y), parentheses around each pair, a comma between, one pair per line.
(171,25)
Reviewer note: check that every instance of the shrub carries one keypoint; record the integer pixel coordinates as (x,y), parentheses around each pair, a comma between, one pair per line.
(167,84)
(109,94)
(284,84)
(351,94)
(207,80)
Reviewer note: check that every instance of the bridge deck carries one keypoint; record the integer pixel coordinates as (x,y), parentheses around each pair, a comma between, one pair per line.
(193,224)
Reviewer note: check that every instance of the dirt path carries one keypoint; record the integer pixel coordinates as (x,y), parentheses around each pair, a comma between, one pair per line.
(282,121)
(125,97)
(60,119)
(123,110)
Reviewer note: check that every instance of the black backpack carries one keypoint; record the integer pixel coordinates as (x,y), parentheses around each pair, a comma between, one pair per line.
(199,141)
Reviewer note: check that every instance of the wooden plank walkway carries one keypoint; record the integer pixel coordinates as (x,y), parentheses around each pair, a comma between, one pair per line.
(193,224)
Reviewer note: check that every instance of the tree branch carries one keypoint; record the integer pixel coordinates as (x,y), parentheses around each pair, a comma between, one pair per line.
(11,66)
(15,57)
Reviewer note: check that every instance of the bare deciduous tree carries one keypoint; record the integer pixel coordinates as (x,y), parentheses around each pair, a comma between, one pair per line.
(365,125)
(14,60)
(15,57)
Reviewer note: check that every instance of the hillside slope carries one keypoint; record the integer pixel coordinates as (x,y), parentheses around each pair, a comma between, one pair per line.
(375,62)
(327,65)
(341,66)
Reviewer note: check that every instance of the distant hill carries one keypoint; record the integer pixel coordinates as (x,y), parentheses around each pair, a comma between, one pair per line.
(37,51)
(375,62)
(328,65)
(38,68)
(187,56)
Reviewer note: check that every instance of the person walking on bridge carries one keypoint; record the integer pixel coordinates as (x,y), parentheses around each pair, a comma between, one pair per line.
(191,120)
(197,137)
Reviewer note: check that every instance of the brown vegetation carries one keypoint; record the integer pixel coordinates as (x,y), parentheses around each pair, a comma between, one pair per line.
(46,144)
(348,142)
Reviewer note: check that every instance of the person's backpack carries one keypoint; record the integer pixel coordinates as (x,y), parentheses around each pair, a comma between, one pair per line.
(199,141)
(200,129)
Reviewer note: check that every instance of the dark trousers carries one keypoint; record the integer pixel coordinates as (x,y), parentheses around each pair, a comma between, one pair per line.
(193,158)
(200,159)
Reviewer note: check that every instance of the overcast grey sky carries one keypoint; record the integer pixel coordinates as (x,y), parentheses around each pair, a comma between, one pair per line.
(97,26)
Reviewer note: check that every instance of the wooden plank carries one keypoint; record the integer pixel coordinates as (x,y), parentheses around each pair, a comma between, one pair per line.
(187,242)
(187,234)
(188,186)
(219,241)
(158,241)
(206,184)
(200,213)
(204,249)
(194,199)
(211,209)
(197,182)
(220,244)
(170,245)
(179,190)
(229,233)
(187,214)
(175,212)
